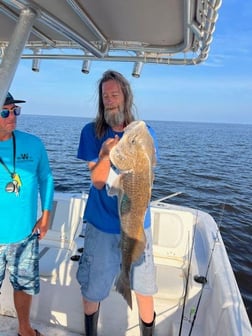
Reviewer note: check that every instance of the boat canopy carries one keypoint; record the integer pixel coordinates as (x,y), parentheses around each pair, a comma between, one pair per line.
(171,32)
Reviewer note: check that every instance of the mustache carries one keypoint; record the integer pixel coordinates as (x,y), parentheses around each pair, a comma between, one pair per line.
(109,108)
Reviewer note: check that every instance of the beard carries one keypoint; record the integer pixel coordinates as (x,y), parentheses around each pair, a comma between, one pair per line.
(114,116)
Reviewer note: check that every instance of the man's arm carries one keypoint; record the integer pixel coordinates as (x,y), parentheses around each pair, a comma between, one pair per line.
(100,169)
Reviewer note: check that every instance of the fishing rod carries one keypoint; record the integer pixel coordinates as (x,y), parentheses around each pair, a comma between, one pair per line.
(203,279)
(187,278)
(166,197)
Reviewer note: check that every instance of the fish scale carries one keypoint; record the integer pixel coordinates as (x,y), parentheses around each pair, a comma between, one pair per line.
(134,157)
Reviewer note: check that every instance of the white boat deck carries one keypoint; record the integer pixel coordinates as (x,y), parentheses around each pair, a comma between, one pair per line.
(108,322)
(59,302)
(8,327)
(181,237)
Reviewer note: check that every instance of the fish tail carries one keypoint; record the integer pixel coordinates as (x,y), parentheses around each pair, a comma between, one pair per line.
(123,287)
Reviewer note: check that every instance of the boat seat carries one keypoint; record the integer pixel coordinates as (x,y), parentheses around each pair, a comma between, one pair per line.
(59,242)
(172,241)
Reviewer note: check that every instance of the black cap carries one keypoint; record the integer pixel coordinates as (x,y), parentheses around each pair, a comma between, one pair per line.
(10,100)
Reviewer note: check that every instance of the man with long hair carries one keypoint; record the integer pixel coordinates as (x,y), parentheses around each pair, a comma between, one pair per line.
(100,262)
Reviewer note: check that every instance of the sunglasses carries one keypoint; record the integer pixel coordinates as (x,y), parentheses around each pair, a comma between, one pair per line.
(16,110)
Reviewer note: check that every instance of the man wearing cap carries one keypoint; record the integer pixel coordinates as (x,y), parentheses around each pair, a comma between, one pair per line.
(24,173)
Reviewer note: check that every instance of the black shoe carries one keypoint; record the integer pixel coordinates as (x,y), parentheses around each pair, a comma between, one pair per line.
(147,329)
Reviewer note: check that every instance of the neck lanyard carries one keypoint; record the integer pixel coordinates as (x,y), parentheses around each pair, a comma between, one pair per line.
(14,158)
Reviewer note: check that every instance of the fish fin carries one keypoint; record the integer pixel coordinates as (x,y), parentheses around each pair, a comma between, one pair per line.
(115,187)
(112,176)
(123,287)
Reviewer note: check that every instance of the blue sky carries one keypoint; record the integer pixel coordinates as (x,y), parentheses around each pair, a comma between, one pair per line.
(217,91)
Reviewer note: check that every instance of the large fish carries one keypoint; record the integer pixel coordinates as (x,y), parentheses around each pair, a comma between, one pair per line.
(134,156)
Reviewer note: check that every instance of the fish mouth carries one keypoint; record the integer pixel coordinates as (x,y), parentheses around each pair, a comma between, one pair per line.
(118,162)
(118,166)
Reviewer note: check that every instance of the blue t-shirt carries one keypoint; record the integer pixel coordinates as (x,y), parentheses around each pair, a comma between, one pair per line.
(101,209)
(19,213)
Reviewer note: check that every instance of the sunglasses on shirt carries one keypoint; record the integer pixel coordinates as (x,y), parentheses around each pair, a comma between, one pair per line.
(6,112)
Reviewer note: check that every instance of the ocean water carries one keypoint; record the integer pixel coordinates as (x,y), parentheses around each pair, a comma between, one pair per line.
(210,164)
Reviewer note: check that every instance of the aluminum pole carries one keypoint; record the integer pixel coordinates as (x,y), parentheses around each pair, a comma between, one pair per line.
(13,52)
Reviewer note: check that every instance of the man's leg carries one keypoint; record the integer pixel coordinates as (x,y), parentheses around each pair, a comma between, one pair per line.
(144,281)
(22,303)
(91,310)
(145,307)
(146,315)
(101,253)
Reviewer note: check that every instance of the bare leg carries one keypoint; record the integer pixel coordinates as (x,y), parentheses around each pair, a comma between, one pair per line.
(145,307)
(22,303)
(90,307)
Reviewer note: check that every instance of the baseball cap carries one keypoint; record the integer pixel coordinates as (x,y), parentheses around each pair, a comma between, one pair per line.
(10,100)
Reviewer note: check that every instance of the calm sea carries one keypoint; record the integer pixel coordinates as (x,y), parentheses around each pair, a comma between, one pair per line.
(211,164)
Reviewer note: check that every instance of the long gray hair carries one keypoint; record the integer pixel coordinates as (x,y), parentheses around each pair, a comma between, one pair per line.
(100,124)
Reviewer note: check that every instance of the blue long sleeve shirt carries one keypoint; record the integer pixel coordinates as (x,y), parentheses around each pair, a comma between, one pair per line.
(18,213)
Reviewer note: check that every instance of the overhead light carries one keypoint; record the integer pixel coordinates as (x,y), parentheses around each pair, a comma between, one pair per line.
(86,66)
(137,67)
(36,62)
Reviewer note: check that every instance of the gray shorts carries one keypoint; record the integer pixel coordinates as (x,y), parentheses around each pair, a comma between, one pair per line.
(100,264)
(22,261)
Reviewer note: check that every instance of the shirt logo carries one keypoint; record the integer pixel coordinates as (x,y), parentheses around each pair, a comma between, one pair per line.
(25,157)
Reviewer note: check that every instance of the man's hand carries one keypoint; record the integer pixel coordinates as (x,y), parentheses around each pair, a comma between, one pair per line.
(107,146)
(42,224)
